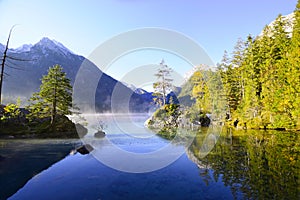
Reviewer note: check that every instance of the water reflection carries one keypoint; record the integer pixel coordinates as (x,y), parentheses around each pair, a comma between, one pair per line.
(23,159)
(131,147)
(239,165)
(255,164)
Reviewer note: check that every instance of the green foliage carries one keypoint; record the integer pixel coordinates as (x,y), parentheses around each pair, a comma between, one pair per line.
(192,114)
(167,133)
(208,92)
(11,111)
(54,97)
(292,86)
(167,119)
(200,92)
(168,115)
(185,95)
(261,79)
(187,88)
(257,164)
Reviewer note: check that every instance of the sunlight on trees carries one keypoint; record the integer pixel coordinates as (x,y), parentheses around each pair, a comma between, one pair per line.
(54,97)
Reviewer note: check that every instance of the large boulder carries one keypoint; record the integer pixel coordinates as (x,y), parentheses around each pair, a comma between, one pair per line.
(99,134)
(205,121)
(81,130)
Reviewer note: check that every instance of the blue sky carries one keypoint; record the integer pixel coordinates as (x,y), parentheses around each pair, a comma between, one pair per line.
(83,25)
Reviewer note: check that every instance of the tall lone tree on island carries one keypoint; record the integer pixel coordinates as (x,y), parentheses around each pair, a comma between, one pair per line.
(54,97)
(164,84)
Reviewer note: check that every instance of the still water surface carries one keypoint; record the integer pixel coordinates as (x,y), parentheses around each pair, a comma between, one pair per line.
(242,165)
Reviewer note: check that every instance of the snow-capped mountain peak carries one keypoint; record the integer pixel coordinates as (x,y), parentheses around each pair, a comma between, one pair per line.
(23,48)
(289,19)
(46,43)
(49,43)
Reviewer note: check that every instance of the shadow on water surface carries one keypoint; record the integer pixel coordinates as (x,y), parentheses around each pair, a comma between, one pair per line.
(23,159)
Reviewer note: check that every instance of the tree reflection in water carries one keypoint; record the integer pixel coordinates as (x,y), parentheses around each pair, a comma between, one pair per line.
(254,164)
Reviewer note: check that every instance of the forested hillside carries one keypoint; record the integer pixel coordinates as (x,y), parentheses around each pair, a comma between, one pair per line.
(261,77)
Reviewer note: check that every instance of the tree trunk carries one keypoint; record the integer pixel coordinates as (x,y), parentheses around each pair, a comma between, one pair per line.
(3,64)
(53,114)
(164,90)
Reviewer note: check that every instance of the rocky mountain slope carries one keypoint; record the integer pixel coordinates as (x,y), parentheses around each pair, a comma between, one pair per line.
(22,76)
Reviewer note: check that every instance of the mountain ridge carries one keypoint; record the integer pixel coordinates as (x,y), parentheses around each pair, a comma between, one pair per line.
(22,78)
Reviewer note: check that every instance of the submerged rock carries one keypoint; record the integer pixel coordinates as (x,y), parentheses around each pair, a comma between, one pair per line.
(85,149)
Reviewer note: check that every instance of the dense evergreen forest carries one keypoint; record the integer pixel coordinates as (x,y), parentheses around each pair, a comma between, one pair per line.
(256,86)
(261,77)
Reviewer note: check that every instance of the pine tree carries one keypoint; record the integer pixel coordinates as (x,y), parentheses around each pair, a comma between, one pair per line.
(276,104)
(238,57)
(293,70)
(164,84)
(249,77)
(215,97)
(54,97)
(230,77)
(261,79)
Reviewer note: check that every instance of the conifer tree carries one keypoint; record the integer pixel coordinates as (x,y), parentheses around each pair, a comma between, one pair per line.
(164,84)
(274,101)
(293,68)
(230,82)
(54,97)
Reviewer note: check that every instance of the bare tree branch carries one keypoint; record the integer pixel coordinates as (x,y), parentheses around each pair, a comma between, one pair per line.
(3,62)
(19,59)
(13,65)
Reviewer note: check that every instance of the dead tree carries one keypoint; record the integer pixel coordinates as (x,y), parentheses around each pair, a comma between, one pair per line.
(3,63)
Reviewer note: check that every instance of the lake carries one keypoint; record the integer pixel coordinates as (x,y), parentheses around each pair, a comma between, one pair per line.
(132,162)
